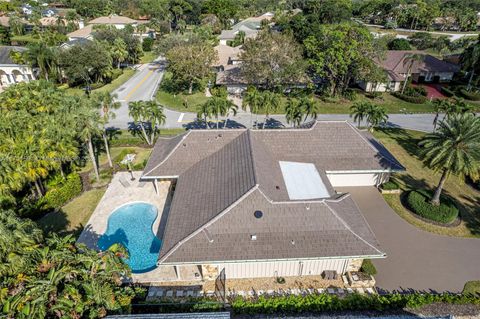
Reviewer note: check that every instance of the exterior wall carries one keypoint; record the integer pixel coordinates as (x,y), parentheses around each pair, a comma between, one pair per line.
(357,179)
(11,74)
(283,268)
(381,87)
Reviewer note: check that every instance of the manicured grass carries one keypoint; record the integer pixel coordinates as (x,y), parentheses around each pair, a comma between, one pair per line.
(24,39)
(114,152)
(342,106)
(74,215)
(176,101)
(472,287)
(127,138)
(148,57)
(403,144)
(110,87)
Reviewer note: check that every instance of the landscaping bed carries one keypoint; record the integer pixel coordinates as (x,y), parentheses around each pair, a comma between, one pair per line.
(446,214)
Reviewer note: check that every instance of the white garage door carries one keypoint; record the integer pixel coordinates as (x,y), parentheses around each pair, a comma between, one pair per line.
(360,179)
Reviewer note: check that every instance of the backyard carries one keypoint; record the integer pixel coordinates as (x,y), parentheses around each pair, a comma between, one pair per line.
(403,145)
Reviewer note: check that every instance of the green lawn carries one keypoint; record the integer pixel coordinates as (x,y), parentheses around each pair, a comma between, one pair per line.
(114,152)
(110,87)
(24,39)
(403,145)
(127,138)
(472,287)
(74,215)
(148,57)
(342,106)
(177,101)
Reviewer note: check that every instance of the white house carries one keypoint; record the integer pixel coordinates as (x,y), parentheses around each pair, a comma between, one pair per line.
(11,72)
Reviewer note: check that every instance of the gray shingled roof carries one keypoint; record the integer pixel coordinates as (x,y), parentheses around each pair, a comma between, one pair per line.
(5,53)
(225,176)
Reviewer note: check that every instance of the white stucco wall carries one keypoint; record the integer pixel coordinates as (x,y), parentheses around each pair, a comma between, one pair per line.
(12,73)
(282,268)
(357,179)
(380,87)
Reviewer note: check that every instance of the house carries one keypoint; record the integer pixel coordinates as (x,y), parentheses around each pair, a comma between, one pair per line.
(75,41)
(227,55)
(12,72)
(262,203)
(250,26)
(82,33)
(397,65)
(118,22)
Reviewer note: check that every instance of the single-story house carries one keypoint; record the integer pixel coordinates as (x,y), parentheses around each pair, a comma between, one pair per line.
(82,33)
(250,26)
(117,21)
(74,41)
(231,77)
(227,55)
(262,203)
(396,65)
(12,72)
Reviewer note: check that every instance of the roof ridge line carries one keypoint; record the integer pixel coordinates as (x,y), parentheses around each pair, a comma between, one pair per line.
(208,223)
(169,154)
(350,229)
(250,146)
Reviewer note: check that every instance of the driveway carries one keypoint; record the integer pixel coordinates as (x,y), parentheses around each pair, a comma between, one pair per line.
(416,260)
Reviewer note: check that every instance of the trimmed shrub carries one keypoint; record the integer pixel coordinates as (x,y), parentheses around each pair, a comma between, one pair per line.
(316,303)
(472,96)
(147,44)
(59,196)
(368,267)
(350,94)
(445,213)
(389,186)
(399,44)
(411,99)
(472,288)
(447,92)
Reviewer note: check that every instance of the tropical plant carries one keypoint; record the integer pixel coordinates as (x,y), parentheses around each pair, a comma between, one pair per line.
(454,148)
(293,111)
(40,55)
(136,111)
(270,103)
(409,61)
(252,99)
(155,116)
(119,51)
(220,106)
(471,60)
(106,103)
(205,112)
(309,108)
(375,116)
(359,111)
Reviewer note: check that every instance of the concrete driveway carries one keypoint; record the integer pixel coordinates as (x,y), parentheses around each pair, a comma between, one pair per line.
(416,260)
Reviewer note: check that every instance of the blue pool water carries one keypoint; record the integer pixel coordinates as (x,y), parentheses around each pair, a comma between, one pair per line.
(131,226)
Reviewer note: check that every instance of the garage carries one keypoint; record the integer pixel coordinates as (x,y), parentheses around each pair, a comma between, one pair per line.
(342,179)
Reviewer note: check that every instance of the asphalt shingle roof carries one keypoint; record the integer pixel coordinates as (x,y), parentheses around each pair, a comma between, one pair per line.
(224,176)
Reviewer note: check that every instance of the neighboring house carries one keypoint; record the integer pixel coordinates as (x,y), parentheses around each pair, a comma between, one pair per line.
(228,69)
(118,22)
(11,72)
(262,203)
(251,26)
(75,41)
(227,55)
(396,65)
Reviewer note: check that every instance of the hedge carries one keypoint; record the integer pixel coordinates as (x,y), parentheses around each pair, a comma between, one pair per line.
(472,96)
(390,185)
(368,267)
(315,303)
(411,99)
(59,196)
(445,213)
(447,92)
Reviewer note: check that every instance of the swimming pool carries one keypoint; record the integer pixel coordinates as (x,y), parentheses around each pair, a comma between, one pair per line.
(131,226)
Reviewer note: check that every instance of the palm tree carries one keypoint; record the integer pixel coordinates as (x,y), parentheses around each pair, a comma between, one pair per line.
(136,110)
(309,108)
(89,123)
(454,148)
(359,111)
(410,60)
(293,111)
(39,55)
(106,103)
(376,115)
(230,107)
(155,116)
(470,60)
(205,112)
(218,107)
(270,103)
(119,51)
(252,99)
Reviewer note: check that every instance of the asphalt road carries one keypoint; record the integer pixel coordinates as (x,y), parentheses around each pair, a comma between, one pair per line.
(144,83)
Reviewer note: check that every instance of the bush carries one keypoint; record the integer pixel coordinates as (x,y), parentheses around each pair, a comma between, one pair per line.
(316,303)
(399,44)
(411,99)
(447,92)
(350,94)
(280,280)
(472,96)
(421,40)
(415,91)
(59,196)
(96,85)
(147,44)
(389,186)
(419,204)
(368,267)
(472,288)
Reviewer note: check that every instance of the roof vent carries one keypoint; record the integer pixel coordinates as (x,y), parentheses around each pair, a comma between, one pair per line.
(277,187)
(258,214)
(293,242)
(253,237)
(184,144)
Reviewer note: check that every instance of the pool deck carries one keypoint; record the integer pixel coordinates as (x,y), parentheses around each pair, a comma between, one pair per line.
(121,191)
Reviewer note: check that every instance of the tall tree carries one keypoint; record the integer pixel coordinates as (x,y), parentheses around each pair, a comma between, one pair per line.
(309,108)
(136,110)
(205,112)
(359,111)
(272,60)
(471,61)
(270,103)
(119,51)
(155,116)
(375,116)
(293,111)
(454,148)
(410,60)
(253,99)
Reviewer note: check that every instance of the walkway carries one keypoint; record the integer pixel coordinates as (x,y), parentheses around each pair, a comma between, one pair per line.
(416,260)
